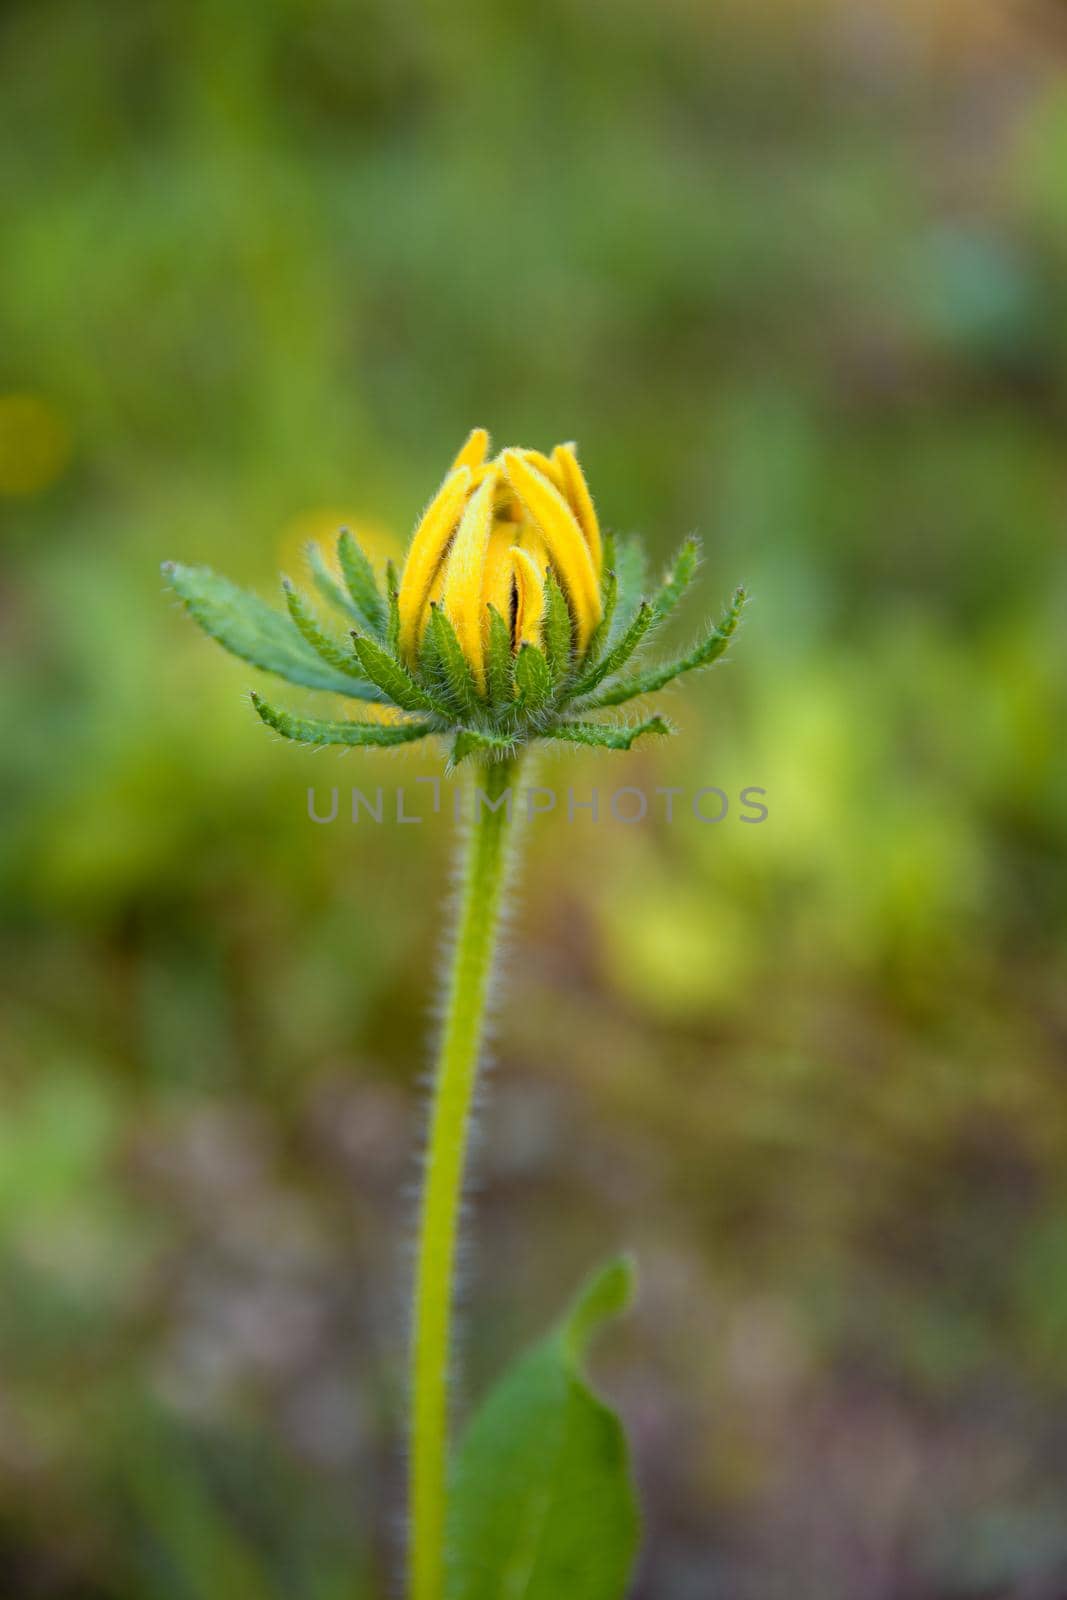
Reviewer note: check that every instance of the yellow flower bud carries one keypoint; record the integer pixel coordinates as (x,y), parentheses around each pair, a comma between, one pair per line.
(489,537)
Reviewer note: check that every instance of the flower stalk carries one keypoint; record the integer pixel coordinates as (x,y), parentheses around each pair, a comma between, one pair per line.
(516,621)
(482,885)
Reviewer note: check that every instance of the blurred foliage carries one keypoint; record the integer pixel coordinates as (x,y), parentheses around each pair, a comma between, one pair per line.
(795,277)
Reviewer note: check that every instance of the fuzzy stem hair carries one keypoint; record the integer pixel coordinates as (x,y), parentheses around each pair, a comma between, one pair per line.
(482,882)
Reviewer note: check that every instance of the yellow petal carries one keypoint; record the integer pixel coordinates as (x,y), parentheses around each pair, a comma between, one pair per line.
(499,575)
(465,575)
(547,465)
(529,539)
(425,554)
(473,452)
(530,589)
(577,494)
(564,540)
(437,589)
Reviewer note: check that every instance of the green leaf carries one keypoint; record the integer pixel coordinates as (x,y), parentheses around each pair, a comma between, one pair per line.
(327,584)
(362,585)
(533,678)
(254,631)
(309,730)
(676,579)
(607,736)
(542,1506)
(453,664)
(620,653)
(556,629)
(204,1550)
(705,654)
(393,679)
(331,652)
(500,663)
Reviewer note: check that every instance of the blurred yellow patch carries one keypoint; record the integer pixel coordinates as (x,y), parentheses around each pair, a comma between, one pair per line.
(34,444)
(671,948)
(322,525)
(368,711)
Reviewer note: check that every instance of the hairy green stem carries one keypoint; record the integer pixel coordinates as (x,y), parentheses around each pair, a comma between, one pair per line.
(482,886)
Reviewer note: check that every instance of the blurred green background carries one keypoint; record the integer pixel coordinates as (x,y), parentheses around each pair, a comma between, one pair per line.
(795,276)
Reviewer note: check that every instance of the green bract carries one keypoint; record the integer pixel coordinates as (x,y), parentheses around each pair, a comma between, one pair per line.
(545,692)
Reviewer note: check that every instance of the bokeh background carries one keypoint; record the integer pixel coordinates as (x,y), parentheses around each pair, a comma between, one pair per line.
(795,276)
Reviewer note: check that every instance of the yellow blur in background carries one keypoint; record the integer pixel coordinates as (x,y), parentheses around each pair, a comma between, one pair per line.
(34,446)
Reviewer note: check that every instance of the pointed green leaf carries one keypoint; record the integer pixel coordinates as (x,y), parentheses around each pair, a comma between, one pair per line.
(500,663)
(327,584)
(392,678)
(362,585)
(676,579)
(330,651)
(605,735)
(556,629)
(619,654)
(705,654)
(252,630)
(454,666)
(534,680)
(309,730)
(542,1505)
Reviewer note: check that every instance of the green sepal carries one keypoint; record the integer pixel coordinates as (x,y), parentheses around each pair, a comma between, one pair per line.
(392,592)
(606,736)
(362,585)
(432,673)
(393,679)
(247,627)
(309,730)
(705,654)
(619,654)
(676,579)
(631,573)
(456,674)
(542,1503)
(468,742)
(327,584)
(304,619)
(534,680)
(556,630)
(499,663)
(430,670)
(609,594)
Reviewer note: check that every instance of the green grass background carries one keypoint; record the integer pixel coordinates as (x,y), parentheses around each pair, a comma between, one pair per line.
(795,276)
